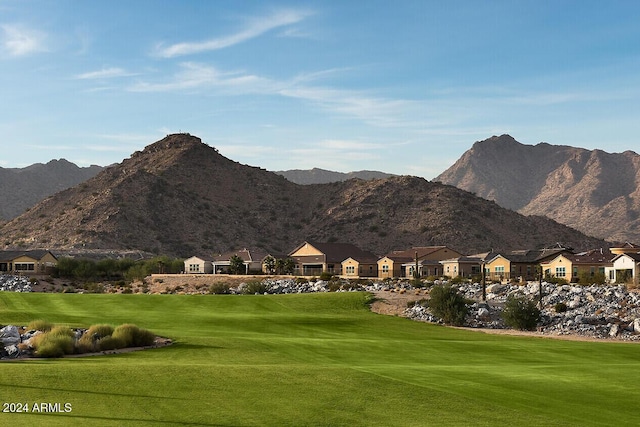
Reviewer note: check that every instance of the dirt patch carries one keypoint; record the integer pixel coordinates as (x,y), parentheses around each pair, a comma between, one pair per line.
(394,303)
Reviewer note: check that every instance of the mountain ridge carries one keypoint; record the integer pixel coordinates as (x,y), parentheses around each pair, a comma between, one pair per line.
(590,190)
(24,187)
(179,196)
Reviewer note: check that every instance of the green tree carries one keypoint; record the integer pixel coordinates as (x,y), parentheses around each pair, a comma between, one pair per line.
(520,313)
(288,266)
(448,304)
(236,265)
(270,264)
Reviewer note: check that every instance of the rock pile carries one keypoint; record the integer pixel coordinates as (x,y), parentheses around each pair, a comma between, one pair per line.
(14,284)
(596,311)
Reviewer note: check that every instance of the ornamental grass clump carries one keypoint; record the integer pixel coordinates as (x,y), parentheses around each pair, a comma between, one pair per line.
(54,343)
(39,325)
(133,336)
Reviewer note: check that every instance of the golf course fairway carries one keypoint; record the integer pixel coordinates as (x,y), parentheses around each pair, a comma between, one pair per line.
(308,360)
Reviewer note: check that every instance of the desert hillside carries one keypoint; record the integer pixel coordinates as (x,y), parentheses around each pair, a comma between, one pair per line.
(180,197)
(592,191)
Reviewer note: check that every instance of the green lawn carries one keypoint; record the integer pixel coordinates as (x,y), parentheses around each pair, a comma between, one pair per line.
(315,359)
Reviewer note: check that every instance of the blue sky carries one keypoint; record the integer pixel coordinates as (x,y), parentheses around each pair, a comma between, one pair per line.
(403,87)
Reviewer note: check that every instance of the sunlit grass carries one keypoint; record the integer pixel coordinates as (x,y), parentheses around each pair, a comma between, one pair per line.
(317,359)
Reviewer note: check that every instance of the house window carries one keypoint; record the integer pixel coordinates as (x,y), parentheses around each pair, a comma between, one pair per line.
(350,269)
(500,269)
(561,272)
(385,268)
(194,268)
(24,266)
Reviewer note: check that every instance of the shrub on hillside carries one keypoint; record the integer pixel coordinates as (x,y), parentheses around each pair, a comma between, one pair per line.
(560,307)
(448,304)
(326,276)
(219,288)
(520,313)
(254,287)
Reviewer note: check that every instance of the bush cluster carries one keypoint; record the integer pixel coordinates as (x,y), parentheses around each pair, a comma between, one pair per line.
(448,304)
(520,313)
(57,341)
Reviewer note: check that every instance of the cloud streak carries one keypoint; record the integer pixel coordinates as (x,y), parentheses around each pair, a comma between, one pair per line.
(254,28)
(105,73)
(18,40)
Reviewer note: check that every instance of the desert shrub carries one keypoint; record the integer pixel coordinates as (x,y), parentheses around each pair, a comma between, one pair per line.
(254,287)
(133,336)
(325,276)
(560,307)
(39,325)
(448,304)
(334,285)
(557,280)
(301,280)
(458,279)
(219,288)
(520,313)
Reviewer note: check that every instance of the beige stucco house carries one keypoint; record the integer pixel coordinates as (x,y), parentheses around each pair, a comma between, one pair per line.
(402,263)
(198,265)
(38,261)
(571,266)
(315,258)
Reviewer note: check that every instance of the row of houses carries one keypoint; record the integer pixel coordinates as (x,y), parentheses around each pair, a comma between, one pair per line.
(621,264)
(615,265)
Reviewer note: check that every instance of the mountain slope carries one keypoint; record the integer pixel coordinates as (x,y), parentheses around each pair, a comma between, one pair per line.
(322,176)
(592,191)
(24,187)
(179,197)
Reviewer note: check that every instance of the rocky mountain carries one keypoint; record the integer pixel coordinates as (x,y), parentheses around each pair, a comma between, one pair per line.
(22,188)
(180,197)
(322,176)
(590,190)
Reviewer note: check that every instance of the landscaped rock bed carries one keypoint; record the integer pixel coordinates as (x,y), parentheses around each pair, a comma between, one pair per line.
(596,311)
(57,341)
(14,283)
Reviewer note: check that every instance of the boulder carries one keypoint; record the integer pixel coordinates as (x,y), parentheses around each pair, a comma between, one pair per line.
(615,329)
(9,335)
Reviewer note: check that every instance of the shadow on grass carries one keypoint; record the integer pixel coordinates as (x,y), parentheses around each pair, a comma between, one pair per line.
(70,390)
(125,421)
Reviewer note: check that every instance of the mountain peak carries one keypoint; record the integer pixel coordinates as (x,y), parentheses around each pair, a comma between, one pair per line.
(589,190)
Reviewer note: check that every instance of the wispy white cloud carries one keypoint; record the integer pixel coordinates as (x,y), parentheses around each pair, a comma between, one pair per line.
(194,76)
(377,111)
(254,28)
(105,73)
(18,40)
